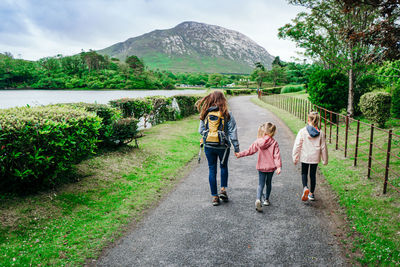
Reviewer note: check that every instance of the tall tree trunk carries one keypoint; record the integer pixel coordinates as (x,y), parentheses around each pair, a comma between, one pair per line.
(350,103)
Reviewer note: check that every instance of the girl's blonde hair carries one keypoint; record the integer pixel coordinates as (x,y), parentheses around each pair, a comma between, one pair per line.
(314,118)
(266,129)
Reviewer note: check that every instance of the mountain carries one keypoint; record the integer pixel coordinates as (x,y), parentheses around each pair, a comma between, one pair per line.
(193,47)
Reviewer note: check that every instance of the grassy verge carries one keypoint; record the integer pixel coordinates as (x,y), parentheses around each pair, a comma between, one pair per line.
(373,216)
(73,224)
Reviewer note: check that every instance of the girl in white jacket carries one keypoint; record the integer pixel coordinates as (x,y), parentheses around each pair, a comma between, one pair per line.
(309,148)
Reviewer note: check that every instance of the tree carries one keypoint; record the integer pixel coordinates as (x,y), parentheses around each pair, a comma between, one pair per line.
(277,75)
(345,34)
(135,64)
(259,74)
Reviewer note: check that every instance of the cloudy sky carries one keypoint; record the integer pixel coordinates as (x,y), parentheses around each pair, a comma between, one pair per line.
(32,29)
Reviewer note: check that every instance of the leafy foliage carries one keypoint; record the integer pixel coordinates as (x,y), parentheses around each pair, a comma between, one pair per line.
(396,102)
(376,107)
(328,89)
(39,143)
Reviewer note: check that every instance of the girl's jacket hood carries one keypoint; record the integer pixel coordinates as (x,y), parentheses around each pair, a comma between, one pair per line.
(265,142)
(312,131)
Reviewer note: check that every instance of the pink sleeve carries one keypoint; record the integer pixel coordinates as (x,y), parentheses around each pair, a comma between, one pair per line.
(252,149)
(277,156)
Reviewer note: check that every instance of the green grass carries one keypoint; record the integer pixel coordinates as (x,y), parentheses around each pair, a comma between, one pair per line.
(372,216)
(70,226)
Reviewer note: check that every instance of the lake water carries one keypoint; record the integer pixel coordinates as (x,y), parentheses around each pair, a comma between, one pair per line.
(18,98)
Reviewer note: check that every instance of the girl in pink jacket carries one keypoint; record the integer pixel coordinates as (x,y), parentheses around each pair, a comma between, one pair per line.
(269,160)
(309,148)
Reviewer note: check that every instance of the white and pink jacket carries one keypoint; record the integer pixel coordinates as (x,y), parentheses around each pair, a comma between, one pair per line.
(269,157)
(310,146)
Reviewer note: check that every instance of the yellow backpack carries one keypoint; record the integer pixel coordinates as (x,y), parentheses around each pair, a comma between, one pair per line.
(215,126)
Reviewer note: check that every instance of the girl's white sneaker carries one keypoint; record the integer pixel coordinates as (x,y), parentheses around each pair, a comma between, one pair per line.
(258,205)
(266,202)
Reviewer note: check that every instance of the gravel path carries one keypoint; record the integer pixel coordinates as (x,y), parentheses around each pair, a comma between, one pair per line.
(186,230)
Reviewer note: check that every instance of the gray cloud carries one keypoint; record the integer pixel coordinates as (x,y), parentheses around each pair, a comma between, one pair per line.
(46,27)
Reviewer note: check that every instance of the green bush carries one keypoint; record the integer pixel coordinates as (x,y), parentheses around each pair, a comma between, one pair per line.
(162,109)
(292,88)
(376,107)
(36,144)
(273,90)
(109,116)
(328,89)
(157,109)
(186,104)
(396,102)
(133,107)
(365,84)
(124,131)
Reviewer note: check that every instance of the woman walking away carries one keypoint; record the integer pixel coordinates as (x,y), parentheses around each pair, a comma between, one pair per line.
(218,130)
(309,148)
(269,160)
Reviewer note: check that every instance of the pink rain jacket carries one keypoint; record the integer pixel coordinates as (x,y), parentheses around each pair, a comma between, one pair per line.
(309,149)
(269,157)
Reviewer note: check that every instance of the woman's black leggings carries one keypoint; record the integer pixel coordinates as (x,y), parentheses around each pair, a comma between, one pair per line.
(304,174)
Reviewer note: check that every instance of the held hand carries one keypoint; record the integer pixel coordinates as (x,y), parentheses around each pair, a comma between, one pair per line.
(237,155)
(278,171)
(295,162)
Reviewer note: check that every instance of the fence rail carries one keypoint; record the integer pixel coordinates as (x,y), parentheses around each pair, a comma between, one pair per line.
(378,150)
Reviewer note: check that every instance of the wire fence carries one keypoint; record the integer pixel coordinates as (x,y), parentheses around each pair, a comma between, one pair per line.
(368,146)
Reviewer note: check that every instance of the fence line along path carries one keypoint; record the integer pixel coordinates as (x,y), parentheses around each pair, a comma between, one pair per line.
(376,150)
(186,230)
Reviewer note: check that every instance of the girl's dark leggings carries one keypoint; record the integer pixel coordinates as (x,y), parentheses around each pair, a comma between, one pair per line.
(304,174)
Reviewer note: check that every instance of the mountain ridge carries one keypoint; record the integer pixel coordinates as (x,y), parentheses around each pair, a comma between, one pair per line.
(193,47)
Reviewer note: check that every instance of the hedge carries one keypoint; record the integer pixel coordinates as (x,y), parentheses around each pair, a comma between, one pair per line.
(38,143)
(111,132)
(157,109)
(376,107)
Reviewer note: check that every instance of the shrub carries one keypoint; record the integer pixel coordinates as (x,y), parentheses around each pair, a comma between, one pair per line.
(109,116)
(37,144)
(291,89)
(162,109)
(365,84)
(133,107)
(186,104)
(274,90)
(124,131)
(328,89)
(396,102)
(376,107)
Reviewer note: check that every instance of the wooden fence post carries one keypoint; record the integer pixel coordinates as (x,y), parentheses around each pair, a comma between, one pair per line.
(346,136)
(371,140)
(337,131)
(387,161)
(356,148)
(330,127)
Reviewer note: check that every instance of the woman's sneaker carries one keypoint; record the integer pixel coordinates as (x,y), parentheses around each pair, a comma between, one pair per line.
(305,194)
(223,195)
(258,205)
(215,201)
(311,197)
(266,202)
